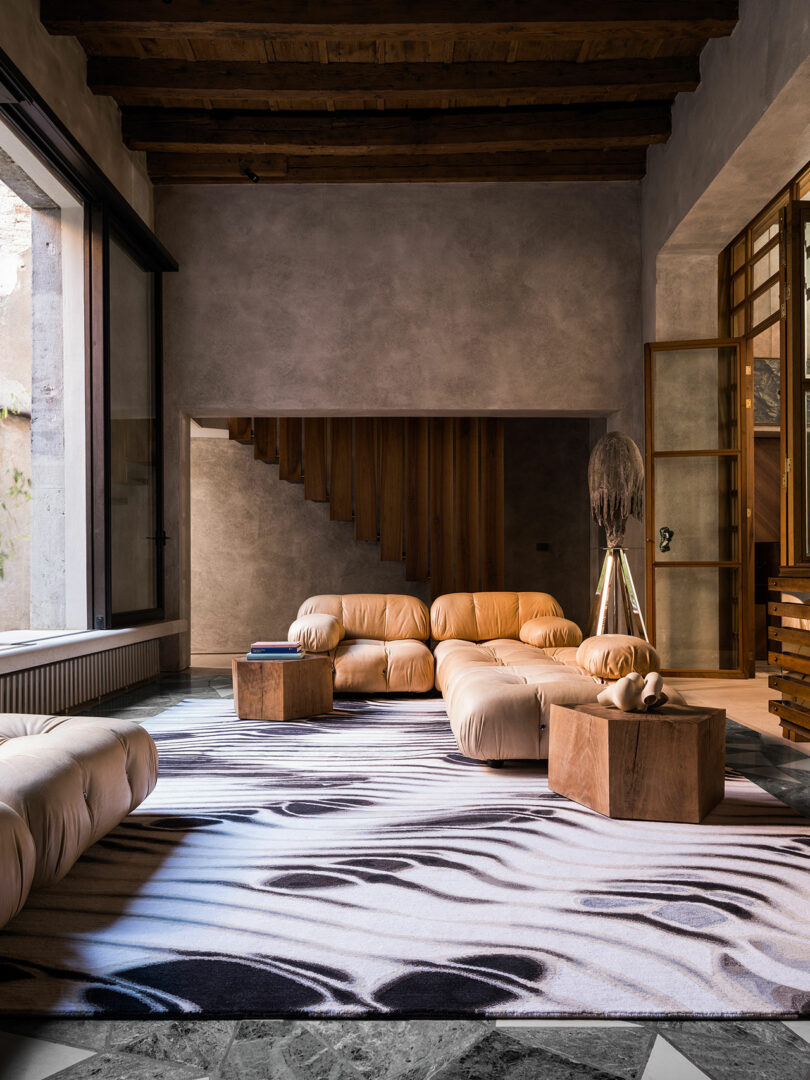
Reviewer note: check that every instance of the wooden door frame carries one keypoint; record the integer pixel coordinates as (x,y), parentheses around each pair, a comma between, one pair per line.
(745,455)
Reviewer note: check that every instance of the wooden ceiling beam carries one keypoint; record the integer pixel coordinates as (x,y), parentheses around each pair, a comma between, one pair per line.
(167,82)
(363,134)
(408,20)
(230,168)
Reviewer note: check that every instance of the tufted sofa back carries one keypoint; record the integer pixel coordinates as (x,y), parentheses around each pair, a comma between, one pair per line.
(381,616)
(483,616)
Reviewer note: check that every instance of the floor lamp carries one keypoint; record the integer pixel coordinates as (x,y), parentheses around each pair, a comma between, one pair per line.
(616,483)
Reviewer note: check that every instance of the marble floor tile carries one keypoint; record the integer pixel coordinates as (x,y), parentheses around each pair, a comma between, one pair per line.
(619,1051)
(25,1058)
(800,1028)
(499,1056)
(114,1066)
(289,1051)
(386,1049)
(202,1043)
(86,1034)
(667,1063)
(730,1050)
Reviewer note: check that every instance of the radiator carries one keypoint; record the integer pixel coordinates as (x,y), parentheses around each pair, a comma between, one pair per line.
(79,680)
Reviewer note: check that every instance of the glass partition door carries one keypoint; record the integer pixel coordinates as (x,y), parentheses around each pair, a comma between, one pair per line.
(135,531)
(698,520)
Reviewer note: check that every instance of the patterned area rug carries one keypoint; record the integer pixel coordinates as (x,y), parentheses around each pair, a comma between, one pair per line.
(357,865)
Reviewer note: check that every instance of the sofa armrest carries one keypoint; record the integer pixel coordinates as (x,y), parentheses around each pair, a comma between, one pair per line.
(549,632)
(317,633)
(612,656)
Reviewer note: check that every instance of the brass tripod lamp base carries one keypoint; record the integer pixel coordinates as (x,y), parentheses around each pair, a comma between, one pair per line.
(616,609)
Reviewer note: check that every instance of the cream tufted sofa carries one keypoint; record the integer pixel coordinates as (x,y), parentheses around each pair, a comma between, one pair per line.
(377,641)
(504,658)
(65,781)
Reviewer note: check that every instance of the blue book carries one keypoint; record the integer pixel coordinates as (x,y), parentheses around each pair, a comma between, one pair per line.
(274,656)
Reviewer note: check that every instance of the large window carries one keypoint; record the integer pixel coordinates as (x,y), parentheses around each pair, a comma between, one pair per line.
(43,460)
(81,519)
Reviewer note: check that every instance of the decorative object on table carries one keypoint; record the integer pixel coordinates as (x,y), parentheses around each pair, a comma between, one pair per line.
(282,691)
(275,650)
(616,483)
(665,766)
(637,693)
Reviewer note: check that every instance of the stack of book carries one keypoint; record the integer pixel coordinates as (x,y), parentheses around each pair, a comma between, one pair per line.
(275,650)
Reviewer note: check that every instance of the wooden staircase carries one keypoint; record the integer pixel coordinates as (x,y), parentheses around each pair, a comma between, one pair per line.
(429,490)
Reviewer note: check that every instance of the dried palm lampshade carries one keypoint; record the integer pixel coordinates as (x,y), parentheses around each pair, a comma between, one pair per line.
(616,483)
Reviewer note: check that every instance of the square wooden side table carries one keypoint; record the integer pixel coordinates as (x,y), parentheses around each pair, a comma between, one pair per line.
(666,765)
(281,689)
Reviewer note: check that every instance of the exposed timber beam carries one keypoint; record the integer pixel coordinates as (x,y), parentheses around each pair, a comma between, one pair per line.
(228,168)
(335,20)
(167,82)
(187,131)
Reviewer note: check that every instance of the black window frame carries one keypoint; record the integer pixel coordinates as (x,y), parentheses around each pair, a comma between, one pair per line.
(106,210)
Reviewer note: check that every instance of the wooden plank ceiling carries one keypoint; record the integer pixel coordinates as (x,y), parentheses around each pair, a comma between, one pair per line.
(312,91)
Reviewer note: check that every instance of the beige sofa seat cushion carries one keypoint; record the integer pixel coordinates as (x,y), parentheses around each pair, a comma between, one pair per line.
(498,695)
(551,631)
(612,656)
(484,616)
(316,632)
(369,666)
(72,779)
(376,616)
(18,862)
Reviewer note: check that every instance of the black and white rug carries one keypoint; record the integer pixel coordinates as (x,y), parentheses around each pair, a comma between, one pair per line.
(357,865)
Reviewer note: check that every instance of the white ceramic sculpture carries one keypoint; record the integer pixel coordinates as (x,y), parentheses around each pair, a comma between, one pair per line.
(636,694)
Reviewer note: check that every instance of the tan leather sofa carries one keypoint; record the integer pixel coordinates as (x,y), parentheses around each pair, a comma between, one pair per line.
(377,641)
(65,781)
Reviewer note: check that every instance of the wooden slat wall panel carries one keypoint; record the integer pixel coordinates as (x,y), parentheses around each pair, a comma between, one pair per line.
(442,577)
(264,439)
(392,487)
(340,469)
(289,449)
(492,476)
(240,429)
(365,478)
(467,505)
(417,499)
(315,458)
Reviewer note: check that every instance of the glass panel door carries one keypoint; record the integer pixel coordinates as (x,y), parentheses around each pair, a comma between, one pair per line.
(135,519)
(698,521)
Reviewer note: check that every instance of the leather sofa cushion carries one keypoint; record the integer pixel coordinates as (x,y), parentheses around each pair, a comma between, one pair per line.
(369,666)
(317,633)
(550,632)
(18,860)
(71,779)
(378,616)
(498,694)
(484,616)
(612,656)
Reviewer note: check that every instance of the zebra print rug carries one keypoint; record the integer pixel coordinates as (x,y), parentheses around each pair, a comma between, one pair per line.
(357,865)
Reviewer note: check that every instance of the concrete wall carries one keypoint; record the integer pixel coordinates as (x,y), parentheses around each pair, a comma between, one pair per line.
(398,299)
(15,396)
(56,67)
(735,142)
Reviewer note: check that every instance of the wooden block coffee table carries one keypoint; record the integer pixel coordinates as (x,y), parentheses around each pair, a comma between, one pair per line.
(667,765)
(281,689)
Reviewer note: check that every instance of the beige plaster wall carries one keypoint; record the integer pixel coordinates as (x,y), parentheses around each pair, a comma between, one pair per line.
(396,299)
(56,67)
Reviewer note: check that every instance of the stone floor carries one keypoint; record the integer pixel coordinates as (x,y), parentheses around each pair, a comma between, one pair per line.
(404,1050)
(258,1049)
